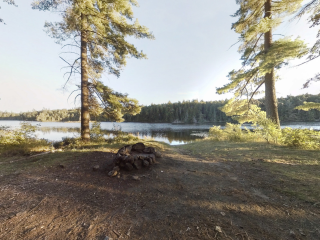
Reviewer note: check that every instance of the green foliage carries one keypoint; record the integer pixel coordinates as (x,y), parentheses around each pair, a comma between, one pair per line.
(267,129)
(232,133)
(242,111)
(125,138)
(308,106)
(96,133)
(21,141)
(181,112)
(261,56)
(107,28)
(216,133)
(264,128)
(104,26)
(235,133)
(24,134)
(113,104)
(301,138)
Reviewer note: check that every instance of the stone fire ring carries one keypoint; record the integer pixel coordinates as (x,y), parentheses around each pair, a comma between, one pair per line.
(132,157)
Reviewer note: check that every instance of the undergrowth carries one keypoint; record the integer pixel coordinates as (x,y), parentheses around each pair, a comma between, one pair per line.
(269,132)
(21,141)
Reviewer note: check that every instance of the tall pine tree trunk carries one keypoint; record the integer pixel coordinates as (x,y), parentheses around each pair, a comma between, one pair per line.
(270,83)
(85,117)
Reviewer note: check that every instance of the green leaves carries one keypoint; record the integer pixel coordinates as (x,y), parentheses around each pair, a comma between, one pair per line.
(108,24)
(113,104)
(308,106)
(280,52)
(265,25)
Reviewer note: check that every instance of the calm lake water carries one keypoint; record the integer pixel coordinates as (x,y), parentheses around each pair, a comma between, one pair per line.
(173,134)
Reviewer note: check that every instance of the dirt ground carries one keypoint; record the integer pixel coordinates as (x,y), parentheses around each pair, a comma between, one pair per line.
(181,197)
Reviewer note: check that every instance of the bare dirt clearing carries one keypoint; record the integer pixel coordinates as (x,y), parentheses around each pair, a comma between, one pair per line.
(181,197)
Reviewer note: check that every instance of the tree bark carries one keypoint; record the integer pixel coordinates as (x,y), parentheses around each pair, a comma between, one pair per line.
(85,117)
(270,83)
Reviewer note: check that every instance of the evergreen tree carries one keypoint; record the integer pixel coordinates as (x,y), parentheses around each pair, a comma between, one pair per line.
(103,27)
(260,54)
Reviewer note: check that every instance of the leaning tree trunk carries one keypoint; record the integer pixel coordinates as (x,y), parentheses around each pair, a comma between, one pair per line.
(270,83)
(85,117)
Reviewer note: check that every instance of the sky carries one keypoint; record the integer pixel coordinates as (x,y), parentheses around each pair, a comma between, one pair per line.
(189,58)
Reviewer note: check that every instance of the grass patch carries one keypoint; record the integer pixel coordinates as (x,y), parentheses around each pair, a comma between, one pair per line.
(18,164)
(13,164)
(297,169)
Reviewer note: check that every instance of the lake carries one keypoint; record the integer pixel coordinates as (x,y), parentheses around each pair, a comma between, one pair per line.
(173,134)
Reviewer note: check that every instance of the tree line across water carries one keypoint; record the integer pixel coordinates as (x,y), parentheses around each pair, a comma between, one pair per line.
(98,31)
(181,112)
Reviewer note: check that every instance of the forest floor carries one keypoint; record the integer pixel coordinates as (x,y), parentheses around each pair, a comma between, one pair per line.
(203,190)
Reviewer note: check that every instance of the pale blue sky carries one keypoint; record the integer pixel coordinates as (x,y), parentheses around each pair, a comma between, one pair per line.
(188,59)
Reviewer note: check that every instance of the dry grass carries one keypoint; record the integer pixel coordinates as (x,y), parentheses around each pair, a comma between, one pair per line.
(15,160)
(298,170)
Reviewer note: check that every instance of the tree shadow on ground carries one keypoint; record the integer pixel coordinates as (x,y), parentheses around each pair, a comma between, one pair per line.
(181,197)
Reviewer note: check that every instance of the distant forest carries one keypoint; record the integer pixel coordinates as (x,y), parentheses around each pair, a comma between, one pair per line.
(181,112)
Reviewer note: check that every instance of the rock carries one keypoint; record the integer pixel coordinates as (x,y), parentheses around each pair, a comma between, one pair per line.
(96,168)
(136,178)
(112,173)
(125,150)
(129,159)
(158,155)
(145,163)
(121,158)
(138,147)
(218,229)
(301,232)
(117,159)
(129,166)
(149,150)
(137,164)
(292,234)
(149,159)
(153,157)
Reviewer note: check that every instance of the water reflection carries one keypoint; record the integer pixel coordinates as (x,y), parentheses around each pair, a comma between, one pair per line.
(173,134)
(166,135)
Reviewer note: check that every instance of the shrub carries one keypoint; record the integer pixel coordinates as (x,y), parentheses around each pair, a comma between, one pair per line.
(21,141)
(302,138)
(216,133)
(96,133)
(267,129)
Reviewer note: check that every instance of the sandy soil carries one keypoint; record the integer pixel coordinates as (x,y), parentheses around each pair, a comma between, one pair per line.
(181,197)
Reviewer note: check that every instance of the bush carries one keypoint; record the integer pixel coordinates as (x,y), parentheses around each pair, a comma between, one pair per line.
(235,133)
(302,138)
(125,138)
(216,133)
(267,130)
(96,133)
(232,132)
(68,142)
(22,141)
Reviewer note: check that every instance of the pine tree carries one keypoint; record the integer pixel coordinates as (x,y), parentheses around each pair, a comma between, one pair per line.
(102,26)
(260,54)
